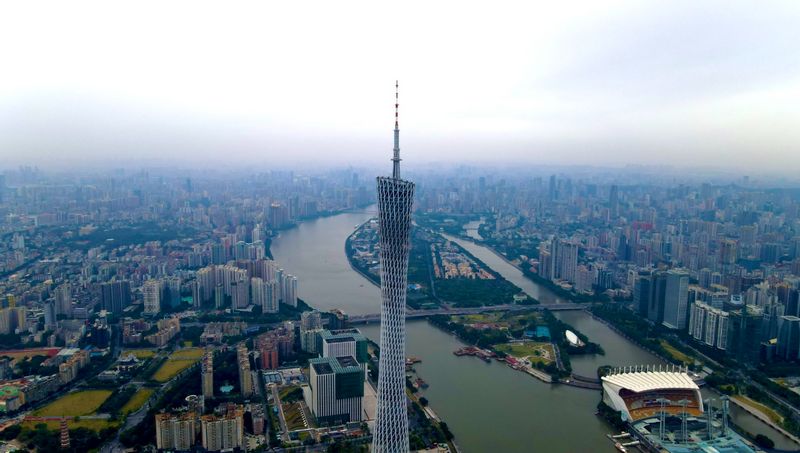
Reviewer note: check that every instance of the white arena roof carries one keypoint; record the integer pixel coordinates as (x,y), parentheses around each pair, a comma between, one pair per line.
(643,381)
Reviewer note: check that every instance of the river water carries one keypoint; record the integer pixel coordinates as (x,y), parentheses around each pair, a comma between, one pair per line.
(511,273)
(488,406)
(471,228)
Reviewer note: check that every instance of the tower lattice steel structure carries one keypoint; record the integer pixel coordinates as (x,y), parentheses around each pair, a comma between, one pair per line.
(395,198)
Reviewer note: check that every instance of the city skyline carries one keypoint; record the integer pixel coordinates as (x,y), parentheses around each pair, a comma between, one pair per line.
(498,261)
(606,84)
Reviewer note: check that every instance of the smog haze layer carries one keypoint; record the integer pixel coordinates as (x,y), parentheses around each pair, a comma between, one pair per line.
(683,84)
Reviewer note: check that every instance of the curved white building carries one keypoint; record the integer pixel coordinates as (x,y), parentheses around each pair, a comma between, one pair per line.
(642,393)
(573,339)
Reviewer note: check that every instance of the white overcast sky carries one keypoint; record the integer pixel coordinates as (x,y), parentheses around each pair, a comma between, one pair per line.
(685,83)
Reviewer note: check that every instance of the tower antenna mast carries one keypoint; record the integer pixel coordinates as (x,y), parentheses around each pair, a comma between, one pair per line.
(396,158)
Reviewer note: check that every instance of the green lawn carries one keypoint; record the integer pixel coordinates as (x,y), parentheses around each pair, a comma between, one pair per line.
(177,362)
(769,412)
(676,354)
(139,353)
(137,400)
(79,403)
(535,351)
(294,419)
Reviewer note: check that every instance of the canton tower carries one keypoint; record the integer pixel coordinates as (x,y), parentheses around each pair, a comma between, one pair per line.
(395,198)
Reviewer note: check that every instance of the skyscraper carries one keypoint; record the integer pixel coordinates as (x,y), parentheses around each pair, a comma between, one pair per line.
(676,296)
(115,296)
(337,389)
(49,315)
(245,377)
(395,199)
(151,294)
(64,300)
(789,338)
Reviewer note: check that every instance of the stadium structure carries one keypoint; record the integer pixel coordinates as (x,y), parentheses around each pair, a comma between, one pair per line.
(643,393)
(665,412)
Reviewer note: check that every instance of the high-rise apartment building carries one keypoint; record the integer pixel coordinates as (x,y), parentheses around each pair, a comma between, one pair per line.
(258,293)
(240,294)
(245,376)
(175,431)
(278,216)
(11,319)
(310,320)
(288,286)
(225,432)
(151,296)
(395,202)
(558,260)
(171,289)
(727,251)
(207,375)
(115,296)
(709,325)
(63,295)
(268,354)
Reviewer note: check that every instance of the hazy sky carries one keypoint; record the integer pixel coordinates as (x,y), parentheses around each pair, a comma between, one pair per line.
(603,83)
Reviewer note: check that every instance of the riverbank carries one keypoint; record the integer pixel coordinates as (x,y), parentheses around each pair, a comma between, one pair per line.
(441,272)
(534,342)
(489,406)
(765,419)
(308,251)
(535,278)
(348,251)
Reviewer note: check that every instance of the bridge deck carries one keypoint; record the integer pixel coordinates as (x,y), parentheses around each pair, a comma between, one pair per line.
(411,314)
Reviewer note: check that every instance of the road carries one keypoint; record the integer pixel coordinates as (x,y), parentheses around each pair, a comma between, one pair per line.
(276,400)
(133,419)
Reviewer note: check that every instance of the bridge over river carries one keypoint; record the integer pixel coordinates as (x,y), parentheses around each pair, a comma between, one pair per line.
(411,314)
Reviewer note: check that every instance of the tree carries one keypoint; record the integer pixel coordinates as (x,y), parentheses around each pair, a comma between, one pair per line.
(764,441)
(11,432)
(447,434)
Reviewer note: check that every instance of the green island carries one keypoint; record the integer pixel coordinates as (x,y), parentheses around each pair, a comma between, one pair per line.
(537,338)
(440,271)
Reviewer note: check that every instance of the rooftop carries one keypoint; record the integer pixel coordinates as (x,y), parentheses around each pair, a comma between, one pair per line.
(342,335)
(346,361)
(328,365)
(322,367)
(643,381)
